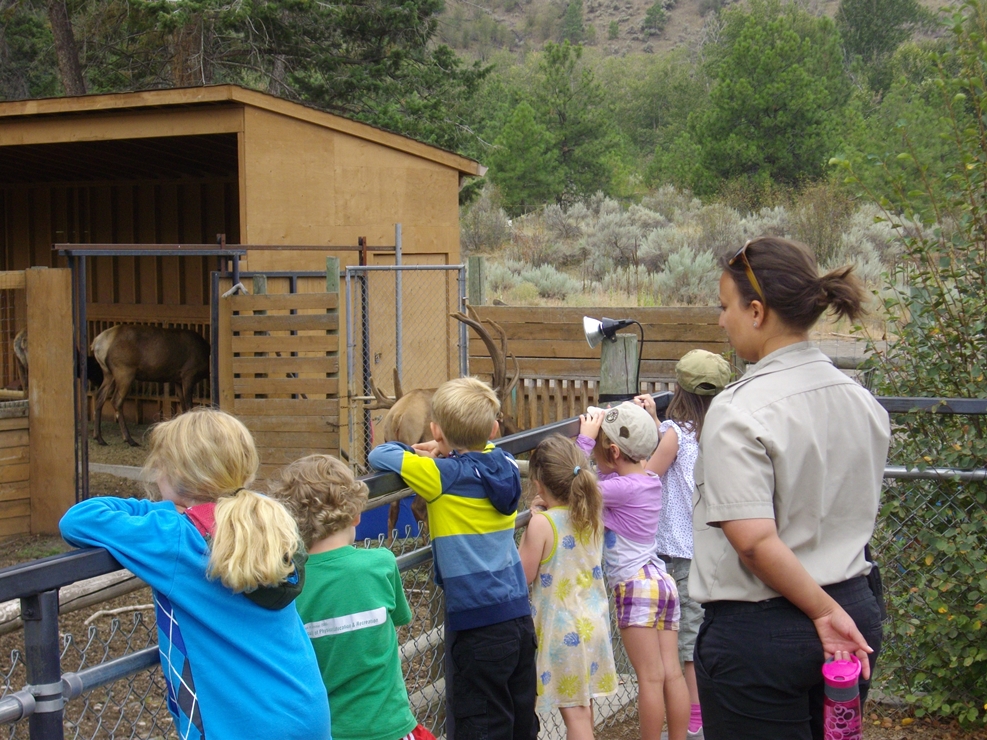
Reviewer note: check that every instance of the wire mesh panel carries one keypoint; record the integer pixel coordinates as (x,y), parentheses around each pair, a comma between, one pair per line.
(399,327)
(932,575)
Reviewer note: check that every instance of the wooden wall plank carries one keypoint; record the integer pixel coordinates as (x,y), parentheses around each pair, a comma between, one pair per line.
(283,365)
(15,526)
(569,315)
(272,386)
(537,367)
(296,439)
(297,322)
(17,438)
(15,490)
(284,455)
(276,423)
(579,349)
(15,455)
(284,301)
(20,472)
(305,343)
(286,407)
(653,332)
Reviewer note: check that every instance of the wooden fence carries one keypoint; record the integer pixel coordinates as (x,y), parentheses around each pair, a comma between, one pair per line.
(560,373)
(279,365)
(37,436)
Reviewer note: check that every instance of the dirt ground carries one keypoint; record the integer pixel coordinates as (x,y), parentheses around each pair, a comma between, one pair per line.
(883,723)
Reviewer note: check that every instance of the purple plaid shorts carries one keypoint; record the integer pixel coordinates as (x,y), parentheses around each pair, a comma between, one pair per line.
(650,599)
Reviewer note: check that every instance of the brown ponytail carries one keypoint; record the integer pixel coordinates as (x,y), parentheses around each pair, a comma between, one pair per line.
(789,277)
(564,470)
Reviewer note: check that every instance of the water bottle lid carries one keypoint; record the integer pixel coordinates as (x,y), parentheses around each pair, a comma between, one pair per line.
(842,673)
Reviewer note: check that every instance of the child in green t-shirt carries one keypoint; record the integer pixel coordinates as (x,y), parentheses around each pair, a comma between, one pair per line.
(350,603)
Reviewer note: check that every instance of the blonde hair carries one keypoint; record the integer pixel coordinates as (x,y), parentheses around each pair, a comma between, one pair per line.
(563,469)
(322,494)
(209,456)
(465,409)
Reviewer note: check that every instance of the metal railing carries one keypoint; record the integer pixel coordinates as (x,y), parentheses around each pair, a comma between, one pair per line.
(105,683)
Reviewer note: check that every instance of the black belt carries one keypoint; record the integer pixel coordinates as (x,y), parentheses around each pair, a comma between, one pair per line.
(843,590)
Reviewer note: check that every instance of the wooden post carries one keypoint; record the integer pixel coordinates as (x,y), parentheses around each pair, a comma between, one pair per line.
(225,349)
(332,274)
(50,393)
(618,368)
(476,279)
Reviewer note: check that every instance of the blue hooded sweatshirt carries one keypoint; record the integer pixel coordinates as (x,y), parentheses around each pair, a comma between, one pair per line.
(472,504)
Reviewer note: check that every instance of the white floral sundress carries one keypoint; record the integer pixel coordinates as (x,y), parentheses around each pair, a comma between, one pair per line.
(571,611)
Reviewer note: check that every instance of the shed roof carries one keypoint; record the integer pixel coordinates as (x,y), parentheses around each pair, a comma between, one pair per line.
(218,95)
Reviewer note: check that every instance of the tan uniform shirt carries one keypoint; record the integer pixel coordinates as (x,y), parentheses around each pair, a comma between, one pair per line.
(797,441)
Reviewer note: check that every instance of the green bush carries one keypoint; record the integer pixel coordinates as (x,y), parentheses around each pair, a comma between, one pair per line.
(613,30)
(938,347)
(655,19)
(689,278)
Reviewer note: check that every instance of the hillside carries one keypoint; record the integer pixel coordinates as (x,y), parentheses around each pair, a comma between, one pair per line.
(477,28)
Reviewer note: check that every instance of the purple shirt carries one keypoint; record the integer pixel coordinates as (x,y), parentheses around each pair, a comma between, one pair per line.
(631,503)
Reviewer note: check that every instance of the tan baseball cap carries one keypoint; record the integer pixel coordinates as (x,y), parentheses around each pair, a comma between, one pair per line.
(702,372)
(632,429)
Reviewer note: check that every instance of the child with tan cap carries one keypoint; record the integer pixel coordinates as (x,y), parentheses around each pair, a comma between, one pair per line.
(621,440)
(699,376)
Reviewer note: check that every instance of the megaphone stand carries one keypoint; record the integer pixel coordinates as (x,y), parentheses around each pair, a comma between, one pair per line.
(618,369)
(620,359)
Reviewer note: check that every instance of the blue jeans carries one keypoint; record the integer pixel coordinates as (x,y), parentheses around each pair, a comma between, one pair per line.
(759,665)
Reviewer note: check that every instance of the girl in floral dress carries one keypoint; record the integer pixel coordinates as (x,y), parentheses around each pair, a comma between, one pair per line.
(561,553)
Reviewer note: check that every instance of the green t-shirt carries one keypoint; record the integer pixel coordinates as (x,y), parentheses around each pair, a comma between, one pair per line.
(351,602)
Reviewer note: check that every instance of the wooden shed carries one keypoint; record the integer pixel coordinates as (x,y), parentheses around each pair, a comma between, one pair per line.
(184,165)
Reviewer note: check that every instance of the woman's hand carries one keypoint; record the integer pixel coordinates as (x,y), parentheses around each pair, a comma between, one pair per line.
(538,504)
(589,424)
(839,634)
(646,402)
(767,557)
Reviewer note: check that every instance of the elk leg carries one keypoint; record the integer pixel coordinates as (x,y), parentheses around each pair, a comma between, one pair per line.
(185,392)
(123,388)
(105,389)
(419,510)
(393,512)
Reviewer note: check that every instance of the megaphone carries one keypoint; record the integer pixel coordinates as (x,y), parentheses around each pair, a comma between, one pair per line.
(597,330)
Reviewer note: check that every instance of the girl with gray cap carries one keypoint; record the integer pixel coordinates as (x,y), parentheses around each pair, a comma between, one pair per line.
(620,441)
(699,376)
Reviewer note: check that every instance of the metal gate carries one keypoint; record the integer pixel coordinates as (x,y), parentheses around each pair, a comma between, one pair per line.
(398,324)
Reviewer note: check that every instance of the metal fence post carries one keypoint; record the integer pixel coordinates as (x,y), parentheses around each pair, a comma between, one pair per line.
(44,666)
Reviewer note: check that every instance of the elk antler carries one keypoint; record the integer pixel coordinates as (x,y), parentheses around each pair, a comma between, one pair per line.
(382,401)
(498,355)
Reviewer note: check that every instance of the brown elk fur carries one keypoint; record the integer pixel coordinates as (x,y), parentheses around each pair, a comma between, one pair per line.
(129,352)
(20,356)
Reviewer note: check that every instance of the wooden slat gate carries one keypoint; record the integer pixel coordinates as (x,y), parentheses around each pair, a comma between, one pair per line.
(279,371)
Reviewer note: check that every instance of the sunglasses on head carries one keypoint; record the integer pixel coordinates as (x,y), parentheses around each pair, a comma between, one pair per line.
(742,255)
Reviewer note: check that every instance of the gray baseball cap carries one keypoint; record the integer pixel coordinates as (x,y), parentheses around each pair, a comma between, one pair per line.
(632,429)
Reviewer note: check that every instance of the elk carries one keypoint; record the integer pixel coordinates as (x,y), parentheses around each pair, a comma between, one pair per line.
(93,371)
(409,414)
(129,352)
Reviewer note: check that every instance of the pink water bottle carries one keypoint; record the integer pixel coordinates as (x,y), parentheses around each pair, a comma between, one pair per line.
(841,705)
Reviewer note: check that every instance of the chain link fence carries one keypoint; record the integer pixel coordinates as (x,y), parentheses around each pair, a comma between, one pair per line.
(399,326)
(129,701)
